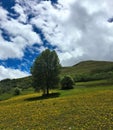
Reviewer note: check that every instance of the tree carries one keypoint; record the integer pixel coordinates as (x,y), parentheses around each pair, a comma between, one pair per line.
(67,83)
(17,91)
(45,71)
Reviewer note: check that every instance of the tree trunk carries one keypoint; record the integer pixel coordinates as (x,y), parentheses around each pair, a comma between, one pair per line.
(44,91)
(47,89)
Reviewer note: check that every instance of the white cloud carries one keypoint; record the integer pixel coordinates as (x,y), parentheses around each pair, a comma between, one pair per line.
(71,25)
(15,29)
(21,13)
(3,14)
(11,73)
(21,35)
(78,28)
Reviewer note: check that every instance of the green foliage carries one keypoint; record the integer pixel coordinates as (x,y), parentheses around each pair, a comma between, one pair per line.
(45,71)
(93,76)
(5,96)
(67,83)
(24,83)
(17,91)
(5,86)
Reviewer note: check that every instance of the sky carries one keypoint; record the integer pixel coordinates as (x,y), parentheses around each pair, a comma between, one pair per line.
(77,30)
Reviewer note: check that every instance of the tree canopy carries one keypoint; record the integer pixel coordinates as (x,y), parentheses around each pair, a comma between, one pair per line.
(67,83)
(45,71)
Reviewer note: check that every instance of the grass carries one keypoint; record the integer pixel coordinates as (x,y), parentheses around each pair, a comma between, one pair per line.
(83,108)
(6,96)
(98,83)
(11,94)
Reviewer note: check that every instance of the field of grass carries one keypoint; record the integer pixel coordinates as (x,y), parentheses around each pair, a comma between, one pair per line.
(83,108)
(10,93)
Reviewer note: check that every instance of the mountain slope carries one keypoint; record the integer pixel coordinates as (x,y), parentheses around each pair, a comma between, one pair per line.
(87,67)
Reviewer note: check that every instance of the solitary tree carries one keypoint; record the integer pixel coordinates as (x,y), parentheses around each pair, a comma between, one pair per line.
(45,71)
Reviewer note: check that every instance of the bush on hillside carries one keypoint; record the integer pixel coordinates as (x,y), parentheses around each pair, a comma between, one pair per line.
(67,83)
(17,91)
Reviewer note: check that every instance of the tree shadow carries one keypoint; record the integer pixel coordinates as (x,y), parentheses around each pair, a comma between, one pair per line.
(51,95)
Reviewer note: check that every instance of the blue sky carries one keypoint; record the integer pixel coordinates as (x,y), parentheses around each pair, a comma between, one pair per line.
(78,30)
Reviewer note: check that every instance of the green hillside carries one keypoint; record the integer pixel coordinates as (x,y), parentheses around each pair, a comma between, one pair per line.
(89,70)
(85,67)
(83,71)
(88,67)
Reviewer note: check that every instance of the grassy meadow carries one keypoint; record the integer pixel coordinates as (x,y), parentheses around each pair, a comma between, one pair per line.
(89,106)
(83,108)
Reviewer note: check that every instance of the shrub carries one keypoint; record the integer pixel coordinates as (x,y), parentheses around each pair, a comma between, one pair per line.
(67,83)
(17,91)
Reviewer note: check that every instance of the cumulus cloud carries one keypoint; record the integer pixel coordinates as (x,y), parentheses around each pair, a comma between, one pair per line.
(20,36)
(11,73)
(78,28)
(22,16)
